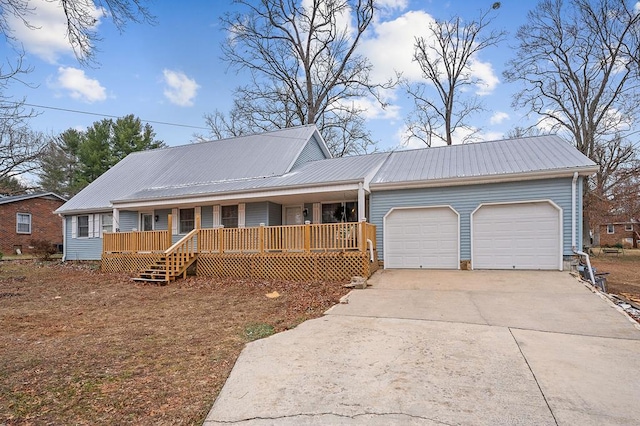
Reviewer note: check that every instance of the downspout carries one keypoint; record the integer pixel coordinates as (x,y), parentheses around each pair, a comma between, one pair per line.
(574,244)
(64,237)
(370,244)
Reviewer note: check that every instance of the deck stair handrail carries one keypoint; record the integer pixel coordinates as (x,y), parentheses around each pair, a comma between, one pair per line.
(181,254)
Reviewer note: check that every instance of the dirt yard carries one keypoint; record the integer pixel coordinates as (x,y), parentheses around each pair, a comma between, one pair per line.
(624,269)
(81,347)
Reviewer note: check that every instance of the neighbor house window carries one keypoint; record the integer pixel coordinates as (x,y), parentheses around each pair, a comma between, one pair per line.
(229,216)
(187,220)
(628,227)
(107,222)
(628,241)
(83,227)
(340,212)
(610,229)
(23,223)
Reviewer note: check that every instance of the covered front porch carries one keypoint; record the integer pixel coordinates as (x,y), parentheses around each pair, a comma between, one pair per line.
(322,251)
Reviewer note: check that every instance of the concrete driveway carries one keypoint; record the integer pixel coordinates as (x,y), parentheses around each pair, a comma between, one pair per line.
(446,347)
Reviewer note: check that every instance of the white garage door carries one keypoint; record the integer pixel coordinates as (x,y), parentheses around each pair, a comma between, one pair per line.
(516,236)
(421,238)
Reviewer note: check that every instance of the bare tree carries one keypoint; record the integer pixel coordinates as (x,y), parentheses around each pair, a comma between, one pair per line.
(304,69)
(579,62)
(81,19)
(19,146)
(445,58)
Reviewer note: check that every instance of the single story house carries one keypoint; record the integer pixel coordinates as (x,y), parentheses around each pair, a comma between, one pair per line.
(28,217)
(508,204)
(619,232)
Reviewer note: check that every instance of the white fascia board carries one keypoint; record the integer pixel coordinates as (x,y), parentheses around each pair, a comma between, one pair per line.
(247,195)
(474,180)
(107,209)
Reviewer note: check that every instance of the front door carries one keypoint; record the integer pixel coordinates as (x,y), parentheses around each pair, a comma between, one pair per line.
(293,215)
(146,222)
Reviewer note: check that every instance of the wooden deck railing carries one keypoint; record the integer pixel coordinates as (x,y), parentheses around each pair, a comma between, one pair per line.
(180,253)
(135,242)
(325,237)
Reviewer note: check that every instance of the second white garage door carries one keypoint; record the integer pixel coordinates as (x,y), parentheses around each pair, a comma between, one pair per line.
(517,236)
(425,237)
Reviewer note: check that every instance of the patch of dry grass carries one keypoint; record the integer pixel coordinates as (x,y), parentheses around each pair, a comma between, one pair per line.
(624,269)
(78,346)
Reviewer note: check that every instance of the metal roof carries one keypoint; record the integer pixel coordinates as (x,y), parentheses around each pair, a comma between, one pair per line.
(495,158)
(14,198)
(240,158)
(323,172)
(262,163)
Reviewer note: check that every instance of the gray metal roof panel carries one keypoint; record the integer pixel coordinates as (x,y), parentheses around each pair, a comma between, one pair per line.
(510,156)
(345,169)
(244,157)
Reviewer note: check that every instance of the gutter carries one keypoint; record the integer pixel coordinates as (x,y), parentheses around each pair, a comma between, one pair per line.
(471,180)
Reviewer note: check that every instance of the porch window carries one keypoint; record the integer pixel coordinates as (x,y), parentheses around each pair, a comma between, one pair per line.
(229,217)
(187,220)
(83,227)
(628,227)
(107,222)
(611,229)
(340,212)
(23,223)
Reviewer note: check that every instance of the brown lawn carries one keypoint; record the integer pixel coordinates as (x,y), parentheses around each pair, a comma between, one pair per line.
(81,347)
(624,269)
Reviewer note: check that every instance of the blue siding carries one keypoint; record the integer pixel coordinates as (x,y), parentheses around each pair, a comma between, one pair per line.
(465,199)
(81,248)
(163,219)
(275,215)
(255,214)
(310,152)
(206,217)
(128,220)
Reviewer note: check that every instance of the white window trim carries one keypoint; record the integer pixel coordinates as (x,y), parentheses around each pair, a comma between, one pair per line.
(18,223)
(612,231)
(74,226)
(102,224)
(628,227)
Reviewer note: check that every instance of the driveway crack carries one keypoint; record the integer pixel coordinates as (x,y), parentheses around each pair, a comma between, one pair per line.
(346,416)
(534,376)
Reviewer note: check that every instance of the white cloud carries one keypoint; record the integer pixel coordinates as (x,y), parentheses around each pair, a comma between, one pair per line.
(391,49)
(498,117)
(79,85)
(180,90)
(47,37)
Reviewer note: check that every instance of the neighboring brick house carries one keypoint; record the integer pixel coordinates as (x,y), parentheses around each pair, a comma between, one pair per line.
(619,232)
(29,217)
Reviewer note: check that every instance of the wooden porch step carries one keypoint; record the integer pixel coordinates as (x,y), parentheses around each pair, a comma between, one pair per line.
(150,280)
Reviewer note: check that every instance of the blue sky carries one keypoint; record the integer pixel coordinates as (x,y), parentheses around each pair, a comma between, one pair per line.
(172,72)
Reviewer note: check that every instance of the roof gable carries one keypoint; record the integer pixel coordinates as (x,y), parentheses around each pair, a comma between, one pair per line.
(245,157)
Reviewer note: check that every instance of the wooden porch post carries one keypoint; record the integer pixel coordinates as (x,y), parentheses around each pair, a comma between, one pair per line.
(169,230)
(362,231)
(307,236)
(261,238)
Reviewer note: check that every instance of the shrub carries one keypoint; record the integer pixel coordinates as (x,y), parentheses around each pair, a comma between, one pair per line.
(43,249)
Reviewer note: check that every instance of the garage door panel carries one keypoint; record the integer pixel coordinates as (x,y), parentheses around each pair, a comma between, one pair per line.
(421,238)
(516,236)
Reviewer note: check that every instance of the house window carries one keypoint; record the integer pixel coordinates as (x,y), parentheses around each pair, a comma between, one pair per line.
(187,220)
(23,223)
(229,217)
(628,227)
(107,222)
(340,212)
(610,229)
(83,227)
